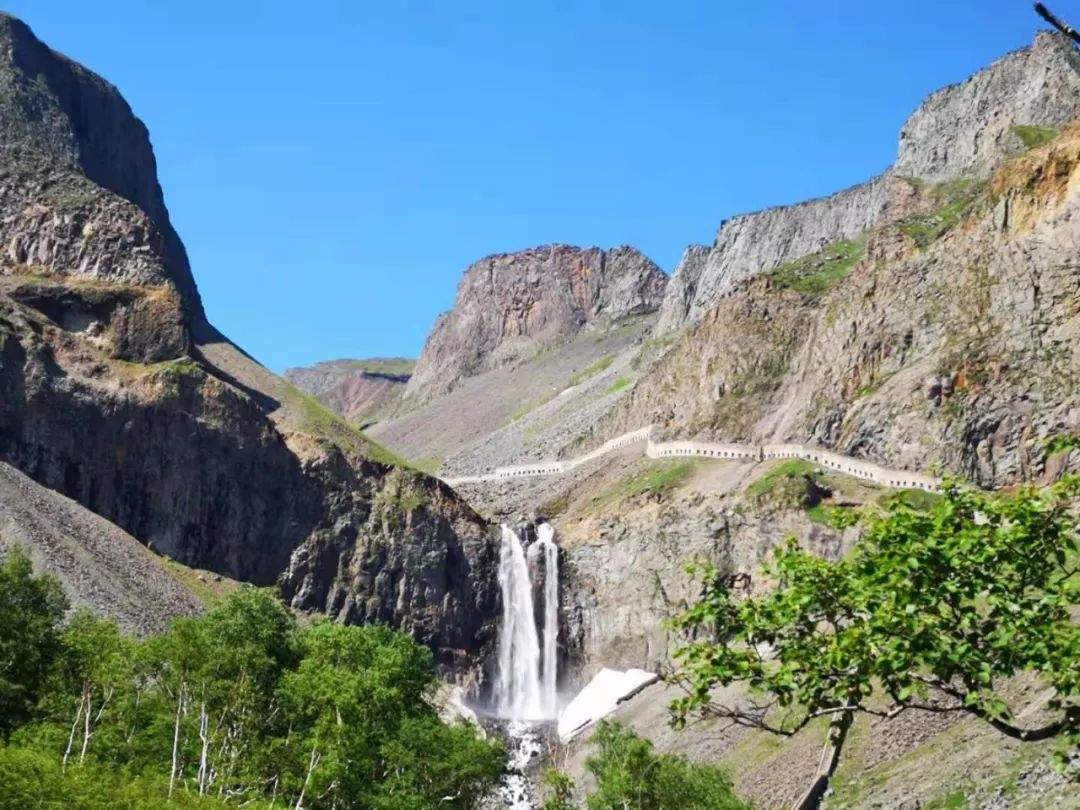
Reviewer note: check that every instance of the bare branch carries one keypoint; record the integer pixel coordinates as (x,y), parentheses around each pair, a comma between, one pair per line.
(1058,23)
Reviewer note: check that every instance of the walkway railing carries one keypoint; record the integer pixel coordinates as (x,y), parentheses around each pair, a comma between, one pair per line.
(858,468)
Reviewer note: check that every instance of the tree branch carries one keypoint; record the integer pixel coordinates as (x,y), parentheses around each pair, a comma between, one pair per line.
(1059,24)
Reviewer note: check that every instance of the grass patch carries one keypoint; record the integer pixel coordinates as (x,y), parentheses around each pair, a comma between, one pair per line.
(661,477)
(620,384)
(955,800)
(591,370)
(429,464)
(1033,136)
(792,468)
(207,587)
(953,199)
(791,485)
(916,499)
(322,423)
(817,273)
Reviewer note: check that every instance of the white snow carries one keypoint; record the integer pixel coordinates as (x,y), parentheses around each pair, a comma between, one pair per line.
(600,697)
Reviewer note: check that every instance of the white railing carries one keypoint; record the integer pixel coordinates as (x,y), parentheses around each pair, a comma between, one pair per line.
(720,451)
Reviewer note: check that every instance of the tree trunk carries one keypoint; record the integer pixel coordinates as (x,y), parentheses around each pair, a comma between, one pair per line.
(86,724)
(204,737)
(176,739)
(830,756)
(313,760)
(74,725)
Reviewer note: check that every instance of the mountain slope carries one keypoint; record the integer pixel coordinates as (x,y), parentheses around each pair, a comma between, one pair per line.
(116,392)
(511,306)
(960,130)
(362,391)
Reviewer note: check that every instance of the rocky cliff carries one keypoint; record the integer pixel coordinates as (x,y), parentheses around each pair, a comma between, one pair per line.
(961,130)
(66,137)
(943,339)
(115,392)
(512,305)
(362,391)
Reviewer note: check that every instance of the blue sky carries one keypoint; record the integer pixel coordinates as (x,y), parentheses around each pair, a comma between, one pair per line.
(333,166)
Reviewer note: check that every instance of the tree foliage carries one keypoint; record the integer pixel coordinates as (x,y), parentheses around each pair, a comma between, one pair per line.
(630,775)
(30,611)
(239,706)
(933,610)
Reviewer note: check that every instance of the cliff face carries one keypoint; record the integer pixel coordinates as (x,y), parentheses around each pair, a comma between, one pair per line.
(116,393)
(947,338)
(62,126)
(510,306)
(961,130)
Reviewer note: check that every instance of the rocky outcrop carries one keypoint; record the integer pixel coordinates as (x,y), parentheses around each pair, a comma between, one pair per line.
(116,393)
(750,243)
(960,130)
(950,344)
(510,306)
(968,128)
(64,131)
(362,391)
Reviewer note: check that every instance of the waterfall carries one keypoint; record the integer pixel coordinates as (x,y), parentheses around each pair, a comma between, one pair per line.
(517,693)
(549,665)
(525,686)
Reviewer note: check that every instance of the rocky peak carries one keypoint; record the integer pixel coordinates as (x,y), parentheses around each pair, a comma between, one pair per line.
(62,125)
(967,128)
(960,130)
(511,305)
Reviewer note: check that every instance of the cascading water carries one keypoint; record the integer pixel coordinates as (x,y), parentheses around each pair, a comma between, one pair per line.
(527,677)
(517,690)
(549,665)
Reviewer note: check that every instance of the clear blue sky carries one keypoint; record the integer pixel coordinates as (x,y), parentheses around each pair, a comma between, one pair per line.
(334,166)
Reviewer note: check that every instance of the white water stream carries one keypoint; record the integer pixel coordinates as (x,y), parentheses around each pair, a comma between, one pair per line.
(549,664)
(526,681)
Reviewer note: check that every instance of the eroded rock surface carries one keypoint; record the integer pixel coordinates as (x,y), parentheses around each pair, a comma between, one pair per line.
(115,392)
(961,130)
(512,305)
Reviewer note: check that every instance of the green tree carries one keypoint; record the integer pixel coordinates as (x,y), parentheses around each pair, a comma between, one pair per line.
(31,608)
(237,707)
(630,775)
(931,611)
(97,662)
(364,734)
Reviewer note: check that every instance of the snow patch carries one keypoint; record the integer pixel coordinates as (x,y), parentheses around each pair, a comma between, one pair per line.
(600,697)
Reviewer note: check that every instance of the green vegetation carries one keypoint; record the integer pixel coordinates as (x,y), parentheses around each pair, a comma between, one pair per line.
(661,476)
(790,485)
(239,707)
(917,499)
(819,272)
(932,611)
(955,800)
(629,775)
(324,424)
(620,384)
(591,370)
(1033,136)
(953,199)
(794,468)
(206,586)
(428,465)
